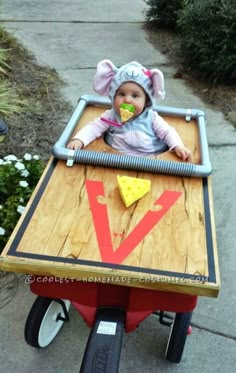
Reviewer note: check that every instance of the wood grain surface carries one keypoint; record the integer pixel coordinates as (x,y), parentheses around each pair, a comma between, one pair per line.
(61,235)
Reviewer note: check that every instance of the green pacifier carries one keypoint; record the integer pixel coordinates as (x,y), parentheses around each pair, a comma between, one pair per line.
(126,112)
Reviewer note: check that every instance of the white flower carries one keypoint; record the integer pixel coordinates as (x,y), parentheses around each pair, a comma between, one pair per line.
(2,231)
(20,166)
(2,162)
(21,200)
(23,183)
(36,157)
(1,207)
(20,209)
(27,157)
(24,173)
(10,157)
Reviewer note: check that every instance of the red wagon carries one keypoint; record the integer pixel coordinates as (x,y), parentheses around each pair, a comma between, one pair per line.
(117,265)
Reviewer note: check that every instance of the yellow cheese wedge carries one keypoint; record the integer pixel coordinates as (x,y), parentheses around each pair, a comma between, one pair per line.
(125,115)
(132,189)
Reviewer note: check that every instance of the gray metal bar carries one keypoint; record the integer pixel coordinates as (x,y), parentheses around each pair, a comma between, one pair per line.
(203,169)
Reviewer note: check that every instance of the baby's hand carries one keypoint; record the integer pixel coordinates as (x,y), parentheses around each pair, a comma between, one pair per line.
(75,144)
(183,153)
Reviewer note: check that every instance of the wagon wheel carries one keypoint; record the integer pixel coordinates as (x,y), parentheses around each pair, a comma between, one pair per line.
(177,337)
(45,320)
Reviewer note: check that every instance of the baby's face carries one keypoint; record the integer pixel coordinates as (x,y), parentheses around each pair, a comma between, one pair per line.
(130,93)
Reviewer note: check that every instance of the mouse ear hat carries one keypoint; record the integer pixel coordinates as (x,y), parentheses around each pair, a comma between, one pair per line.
(109,78)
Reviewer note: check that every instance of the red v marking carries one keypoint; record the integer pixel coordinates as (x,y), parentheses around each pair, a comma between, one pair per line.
(102,229)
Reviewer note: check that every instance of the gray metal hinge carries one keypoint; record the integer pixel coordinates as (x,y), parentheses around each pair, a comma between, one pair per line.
(188,116)
(70,159)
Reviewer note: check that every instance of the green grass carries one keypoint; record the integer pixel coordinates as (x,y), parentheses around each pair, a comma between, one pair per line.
(3,60)
(9,99)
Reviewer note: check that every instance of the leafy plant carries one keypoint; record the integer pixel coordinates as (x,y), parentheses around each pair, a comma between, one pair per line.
(208,34)
(18,178)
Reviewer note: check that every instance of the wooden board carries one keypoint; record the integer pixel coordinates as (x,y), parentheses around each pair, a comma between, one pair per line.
(76,226)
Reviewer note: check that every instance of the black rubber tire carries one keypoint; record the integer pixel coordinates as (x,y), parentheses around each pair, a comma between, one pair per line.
(44,310)
(178,335)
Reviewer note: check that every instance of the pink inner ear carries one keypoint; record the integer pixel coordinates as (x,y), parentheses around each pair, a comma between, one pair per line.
(147,72)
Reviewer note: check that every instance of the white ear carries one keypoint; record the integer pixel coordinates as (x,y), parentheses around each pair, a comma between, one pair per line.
(103,77)
(158,83)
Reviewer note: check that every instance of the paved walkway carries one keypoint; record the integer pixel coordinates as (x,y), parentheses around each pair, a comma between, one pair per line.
(72,37)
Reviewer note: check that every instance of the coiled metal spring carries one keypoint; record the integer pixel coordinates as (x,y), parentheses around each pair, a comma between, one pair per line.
(143,164)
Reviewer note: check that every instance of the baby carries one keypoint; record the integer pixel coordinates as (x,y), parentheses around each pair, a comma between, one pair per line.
(144,133)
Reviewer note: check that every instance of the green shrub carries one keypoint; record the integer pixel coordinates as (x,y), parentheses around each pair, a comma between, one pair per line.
(208,35)
(163,13)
